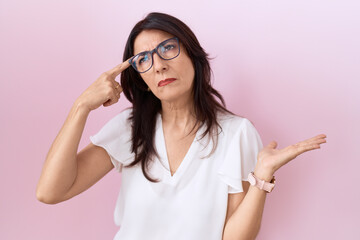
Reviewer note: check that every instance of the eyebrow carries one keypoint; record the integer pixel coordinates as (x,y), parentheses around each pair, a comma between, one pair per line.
(147,50)
(153,48)
(143,52)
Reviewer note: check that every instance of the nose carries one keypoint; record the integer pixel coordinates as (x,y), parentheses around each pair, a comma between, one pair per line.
(159,64)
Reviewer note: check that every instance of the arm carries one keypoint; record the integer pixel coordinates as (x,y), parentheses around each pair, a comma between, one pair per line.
(66,173)
(245,222)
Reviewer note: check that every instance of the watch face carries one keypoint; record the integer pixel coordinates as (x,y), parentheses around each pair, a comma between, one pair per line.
(251,179)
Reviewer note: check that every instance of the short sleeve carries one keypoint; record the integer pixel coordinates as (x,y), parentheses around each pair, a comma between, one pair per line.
(115,138)
(242,146)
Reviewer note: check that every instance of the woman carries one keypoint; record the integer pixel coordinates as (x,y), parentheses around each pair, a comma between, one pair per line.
(190,168)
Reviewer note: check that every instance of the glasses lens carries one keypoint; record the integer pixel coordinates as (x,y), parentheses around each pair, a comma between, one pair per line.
(169,49)
(142,61)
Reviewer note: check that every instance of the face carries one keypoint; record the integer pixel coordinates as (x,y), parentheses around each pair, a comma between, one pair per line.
(169,80)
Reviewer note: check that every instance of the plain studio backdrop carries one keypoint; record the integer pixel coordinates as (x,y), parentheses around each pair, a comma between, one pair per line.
(291,67)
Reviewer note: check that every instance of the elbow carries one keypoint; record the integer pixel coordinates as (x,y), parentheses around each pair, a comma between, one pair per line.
(46,198)
(244,234)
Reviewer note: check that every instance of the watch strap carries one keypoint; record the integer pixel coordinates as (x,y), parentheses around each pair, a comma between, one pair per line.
(263,185)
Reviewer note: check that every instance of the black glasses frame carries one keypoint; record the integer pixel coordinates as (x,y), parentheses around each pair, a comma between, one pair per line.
(152,52)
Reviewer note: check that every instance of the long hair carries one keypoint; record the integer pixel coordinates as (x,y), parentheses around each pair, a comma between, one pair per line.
(145,105)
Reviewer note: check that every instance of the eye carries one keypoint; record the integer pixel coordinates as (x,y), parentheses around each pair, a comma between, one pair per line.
(168,47)
(143,59)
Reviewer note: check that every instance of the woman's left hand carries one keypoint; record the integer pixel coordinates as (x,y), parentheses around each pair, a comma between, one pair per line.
(271,159)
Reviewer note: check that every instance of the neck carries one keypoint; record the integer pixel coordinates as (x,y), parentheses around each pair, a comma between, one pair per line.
(178,115)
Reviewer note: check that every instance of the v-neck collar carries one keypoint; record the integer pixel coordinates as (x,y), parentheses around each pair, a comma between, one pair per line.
(162,151)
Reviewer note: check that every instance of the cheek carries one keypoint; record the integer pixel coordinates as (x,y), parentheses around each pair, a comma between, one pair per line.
(146,79)
(189,71)
(186,66)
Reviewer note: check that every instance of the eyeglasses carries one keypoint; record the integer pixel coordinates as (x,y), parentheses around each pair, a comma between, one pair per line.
(167,50)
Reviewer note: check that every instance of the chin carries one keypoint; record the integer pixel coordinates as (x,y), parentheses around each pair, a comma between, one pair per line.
(172,96)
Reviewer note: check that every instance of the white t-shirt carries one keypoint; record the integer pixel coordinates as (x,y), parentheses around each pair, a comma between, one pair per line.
(191,204)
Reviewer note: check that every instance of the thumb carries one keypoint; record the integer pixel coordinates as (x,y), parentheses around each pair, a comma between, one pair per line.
(272,145)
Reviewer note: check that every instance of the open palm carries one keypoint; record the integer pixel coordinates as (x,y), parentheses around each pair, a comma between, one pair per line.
(273,159)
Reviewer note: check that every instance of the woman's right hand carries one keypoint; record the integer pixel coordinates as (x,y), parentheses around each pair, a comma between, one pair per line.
(104,91)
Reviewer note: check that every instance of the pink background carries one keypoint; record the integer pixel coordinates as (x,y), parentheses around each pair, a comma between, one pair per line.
(291,67)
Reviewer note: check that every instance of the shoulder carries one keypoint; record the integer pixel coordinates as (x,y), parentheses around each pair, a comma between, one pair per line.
(231,123)
(122,117)
(119,122)
(124,114)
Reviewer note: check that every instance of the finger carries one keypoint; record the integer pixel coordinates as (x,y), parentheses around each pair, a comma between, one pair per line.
(315,144)
(311,141)
(119,68)
(272,145)
(118,94)
(304,146)
(320,136)
(114,95)
(117,86)
(308,148)
(109,103)
(113,98)
(119,89)
(317,139)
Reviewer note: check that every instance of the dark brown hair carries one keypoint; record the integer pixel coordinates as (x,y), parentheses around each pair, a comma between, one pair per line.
(145,105)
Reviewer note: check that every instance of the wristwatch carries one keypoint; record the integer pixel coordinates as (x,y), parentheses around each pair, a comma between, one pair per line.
(255,181)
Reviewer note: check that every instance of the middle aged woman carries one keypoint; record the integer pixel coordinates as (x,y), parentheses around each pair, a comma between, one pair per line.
(190,169)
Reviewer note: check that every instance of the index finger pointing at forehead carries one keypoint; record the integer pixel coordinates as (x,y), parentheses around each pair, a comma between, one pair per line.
(119,68)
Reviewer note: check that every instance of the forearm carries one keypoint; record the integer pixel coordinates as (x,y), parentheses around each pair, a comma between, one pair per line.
(60,167)
(244,223)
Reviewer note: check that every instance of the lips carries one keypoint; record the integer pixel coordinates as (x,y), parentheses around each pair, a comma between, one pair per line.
(166,81)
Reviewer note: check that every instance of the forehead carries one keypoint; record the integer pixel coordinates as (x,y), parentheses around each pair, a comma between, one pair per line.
(149,39)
